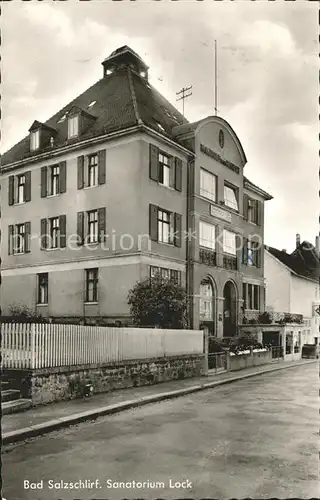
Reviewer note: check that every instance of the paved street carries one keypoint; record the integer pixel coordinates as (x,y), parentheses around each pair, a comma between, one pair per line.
(255,438)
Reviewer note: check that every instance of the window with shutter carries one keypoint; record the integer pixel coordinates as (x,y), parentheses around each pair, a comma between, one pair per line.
(153,162)
(62,177)
(62,227)
(153,222)
(101,224)
(80,162)
(44,177)
(27,237)
(102,167)
(43,285)
(28,186)
(177,230)
(11,190)
(80,228)
(44,234)
(178,175)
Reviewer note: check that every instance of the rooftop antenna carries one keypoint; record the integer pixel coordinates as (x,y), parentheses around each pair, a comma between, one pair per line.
(184,95)
(215,78)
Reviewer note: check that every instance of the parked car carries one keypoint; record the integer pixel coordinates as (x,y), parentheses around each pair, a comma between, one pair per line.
(310,351)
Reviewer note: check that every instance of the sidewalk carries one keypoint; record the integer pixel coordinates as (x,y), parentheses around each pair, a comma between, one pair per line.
(43,419)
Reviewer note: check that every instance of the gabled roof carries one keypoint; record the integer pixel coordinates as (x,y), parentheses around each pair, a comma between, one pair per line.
(303,262)
(124,99)
(249,185)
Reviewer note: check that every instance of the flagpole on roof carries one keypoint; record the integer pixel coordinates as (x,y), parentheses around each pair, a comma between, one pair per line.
(215,78)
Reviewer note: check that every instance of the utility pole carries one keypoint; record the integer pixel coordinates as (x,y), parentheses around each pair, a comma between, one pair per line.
(215,78)
(184,95)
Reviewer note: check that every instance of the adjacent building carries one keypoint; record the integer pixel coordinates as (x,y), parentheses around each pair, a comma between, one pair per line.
(292,286)
(117,186)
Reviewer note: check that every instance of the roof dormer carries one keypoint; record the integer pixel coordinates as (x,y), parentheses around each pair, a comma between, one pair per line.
(125,57)
(41,136)
(78,122)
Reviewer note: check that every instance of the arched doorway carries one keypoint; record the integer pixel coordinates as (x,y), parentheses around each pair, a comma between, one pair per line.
(207,305)
(229,310)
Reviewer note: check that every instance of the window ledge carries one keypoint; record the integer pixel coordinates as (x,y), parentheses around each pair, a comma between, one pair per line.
(91,303)
(18,203)
(209,200)
(167,244)
(167,187)
(91,187)
(42,305)
(19,253)
(53,195)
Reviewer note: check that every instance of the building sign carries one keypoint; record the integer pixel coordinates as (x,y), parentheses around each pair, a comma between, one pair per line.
(219,213)
(209,152)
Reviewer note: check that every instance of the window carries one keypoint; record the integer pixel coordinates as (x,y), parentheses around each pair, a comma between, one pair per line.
(253,253)
(54,228)
(35,140)
(165,227)
(73,126)
(251,296)
(164,169)
(229,242)
(208,184)
(43,288)
(171,274)
(207,235)
(19,239)
(221,139)
(92,170)
(91,285)
(206,301)
(253,211)
(21,188)
(93,226)
(231,197)
(54,180)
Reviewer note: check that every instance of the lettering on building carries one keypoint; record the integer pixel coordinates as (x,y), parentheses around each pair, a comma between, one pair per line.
(219,213)
(209,152)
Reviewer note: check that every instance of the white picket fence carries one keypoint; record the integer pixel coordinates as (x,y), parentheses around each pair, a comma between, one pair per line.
(51,345)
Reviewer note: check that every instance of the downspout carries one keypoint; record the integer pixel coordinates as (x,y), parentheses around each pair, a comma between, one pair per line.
(189,244)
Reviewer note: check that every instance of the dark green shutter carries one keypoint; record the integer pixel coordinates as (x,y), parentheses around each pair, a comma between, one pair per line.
(44,181)
(177,230)
(27,193)
(11,190)
(153,222)
(80,228)
(27,235)
(62,230)
(172,172)
(43,234)
(80,172)
(101,224)
(153,162)
(10,239)
(102,166)
(245,206)
(178,174)
(62,177)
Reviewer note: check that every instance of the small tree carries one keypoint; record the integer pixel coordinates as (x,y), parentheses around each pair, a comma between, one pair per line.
(158,302)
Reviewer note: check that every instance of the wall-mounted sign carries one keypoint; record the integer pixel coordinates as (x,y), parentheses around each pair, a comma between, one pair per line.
(220,213)
(209,152)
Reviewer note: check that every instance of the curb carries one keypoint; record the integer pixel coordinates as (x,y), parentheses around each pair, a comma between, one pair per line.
(59,423)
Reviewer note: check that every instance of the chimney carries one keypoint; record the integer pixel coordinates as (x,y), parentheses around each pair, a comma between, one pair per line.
(297,240)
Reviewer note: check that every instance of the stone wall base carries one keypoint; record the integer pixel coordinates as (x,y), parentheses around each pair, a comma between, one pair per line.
(50,385)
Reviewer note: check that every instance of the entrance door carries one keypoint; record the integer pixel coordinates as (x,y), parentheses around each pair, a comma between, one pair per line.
(207,306)
(229,310)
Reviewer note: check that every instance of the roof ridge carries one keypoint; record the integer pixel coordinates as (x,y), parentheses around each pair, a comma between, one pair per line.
(134,98)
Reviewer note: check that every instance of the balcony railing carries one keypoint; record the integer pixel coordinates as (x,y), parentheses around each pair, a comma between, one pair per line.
(208,257)
(230,262)
(269,318)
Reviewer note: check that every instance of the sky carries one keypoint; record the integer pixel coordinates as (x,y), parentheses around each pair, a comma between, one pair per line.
(267,80)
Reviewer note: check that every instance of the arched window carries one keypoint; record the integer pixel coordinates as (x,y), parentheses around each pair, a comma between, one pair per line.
(206,301)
